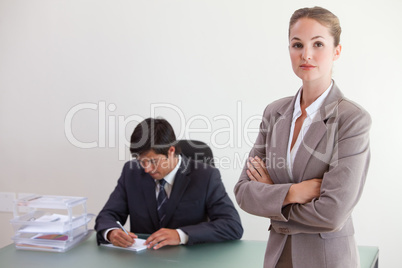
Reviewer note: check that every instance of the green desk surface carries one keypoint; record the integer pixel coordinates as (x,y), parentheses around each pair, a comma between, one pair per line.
(368,256)
(243,253)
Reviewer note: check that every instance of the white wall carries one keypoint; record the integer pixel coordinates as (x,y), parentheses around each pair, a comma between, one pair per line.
(214,61)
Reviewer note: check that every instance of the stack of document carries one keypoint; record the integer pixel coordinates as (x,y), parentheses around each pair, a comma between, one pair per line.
(41,229)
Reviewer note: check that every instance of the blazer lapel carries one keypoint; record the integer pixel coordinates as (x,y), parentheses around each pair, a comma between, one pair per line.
(315,134)
(148,191)
(307,147)
(181,182)
(277,154)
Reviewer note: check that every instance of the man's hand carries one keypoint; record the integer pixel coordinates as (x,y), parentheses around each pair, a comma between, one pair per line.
(163,237)
(120,239)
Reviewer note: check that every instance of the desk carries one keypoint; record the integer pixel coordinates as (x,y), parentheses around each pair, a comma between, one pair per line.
(231,254)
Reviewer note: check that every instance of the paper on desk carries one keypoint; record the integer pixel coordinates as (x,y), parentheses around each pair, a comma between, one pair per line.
(137,246)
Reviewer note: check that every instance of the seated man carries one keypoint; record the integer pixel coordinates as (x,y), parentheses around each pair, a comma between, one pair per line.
(173,198)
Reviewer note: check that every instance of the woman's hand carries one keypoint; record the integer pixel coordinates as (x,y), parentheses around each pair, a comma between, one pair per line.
(303,192)
(257,171)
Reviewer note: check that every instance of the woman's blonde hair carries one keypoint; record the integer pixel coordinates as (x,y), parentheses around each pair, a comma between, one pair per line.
(321,15)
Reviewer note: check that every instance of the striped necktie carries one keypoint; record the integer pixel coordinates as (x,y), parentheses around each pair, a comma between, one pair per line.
(162,201)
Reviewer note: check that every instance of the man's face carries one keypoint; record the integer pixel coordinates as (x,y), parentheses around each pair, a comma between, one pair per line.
(158,165)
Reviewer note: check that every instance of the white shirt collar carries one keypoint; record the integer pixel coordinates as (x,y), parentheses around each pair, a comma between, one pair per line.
(310,110)
(169,178)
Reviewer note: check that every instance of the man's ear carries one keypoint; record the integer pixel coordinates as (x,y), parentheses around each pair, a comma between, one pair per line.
(171,151)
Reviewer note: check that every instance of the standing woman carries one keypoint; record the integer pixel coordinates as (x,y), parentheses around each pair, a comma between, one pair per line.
(308,166)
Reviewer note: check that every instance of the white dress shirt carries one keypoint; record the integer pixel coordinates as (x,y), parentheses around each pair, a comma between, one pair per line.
(169,178)
(313,114)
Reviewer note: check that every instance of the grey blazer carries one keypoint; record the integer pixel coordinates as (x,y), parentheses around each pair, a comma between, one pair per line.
(336,149)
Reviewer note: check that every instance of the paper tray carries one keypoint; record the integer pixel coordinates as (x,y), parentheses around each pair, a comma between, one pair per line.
(29,223)
(46,239)
(54,247)
(50,201)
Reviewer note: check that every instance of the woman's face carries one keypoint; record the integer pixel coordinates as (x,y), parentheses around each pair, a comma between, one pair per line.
(312,51)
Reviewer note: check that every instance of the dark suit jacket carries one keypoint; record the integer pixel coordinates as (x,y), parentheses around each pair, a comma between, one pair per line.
(336,149)
(198,204)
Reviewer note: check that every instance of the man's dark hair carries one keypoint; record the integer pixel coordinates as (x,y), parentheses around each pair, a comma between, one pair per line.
(153,134)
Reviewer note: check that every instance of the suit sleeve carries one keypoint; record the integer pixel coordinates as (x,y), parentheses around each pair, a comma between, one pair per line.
(224,220)
(115,209)
(256,198)
(342,184)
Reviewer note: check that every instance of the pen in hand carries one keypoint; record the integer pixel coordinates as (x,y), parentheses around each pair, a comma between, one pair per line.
(119,239)
(121,226)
